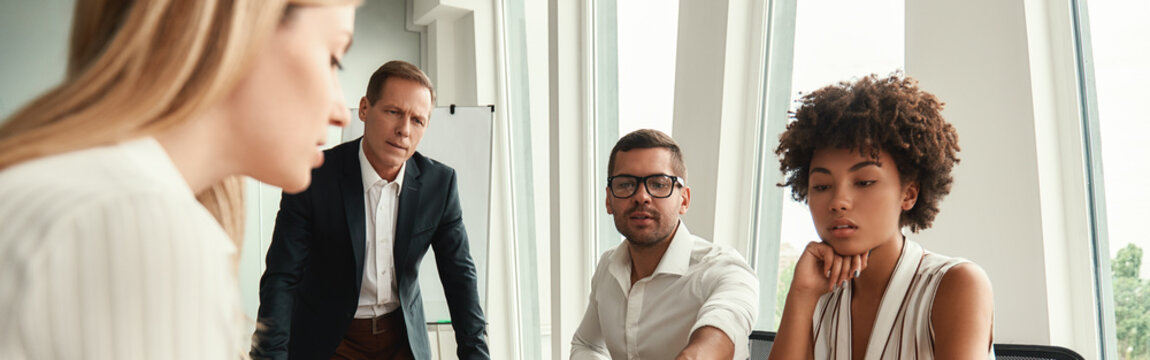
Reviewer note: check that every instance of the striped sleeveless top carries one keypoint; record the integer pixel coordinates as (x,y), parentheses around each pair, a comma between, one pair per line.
(902,327)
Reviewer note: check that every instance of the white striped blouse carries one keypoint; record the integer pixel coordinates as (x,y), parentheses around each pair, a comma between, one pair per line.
(106,254)
(902,326)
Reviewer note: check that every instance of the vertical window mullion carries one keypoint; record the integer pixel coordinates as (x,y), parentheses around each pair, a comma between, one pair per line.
(1094,180)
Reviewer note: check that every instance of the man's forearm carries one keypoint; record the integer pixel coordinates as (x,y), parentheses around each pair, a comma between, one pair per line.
(460,285)
(467,320)
(588,352)
(708,342)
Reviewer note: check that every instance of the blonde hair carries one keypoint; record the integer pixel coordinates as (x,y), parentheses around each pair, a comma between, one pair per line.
(136,68)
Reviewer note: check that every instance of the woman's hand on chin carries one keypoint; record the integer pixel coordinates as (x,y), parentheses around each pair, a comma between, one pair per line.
(820,270)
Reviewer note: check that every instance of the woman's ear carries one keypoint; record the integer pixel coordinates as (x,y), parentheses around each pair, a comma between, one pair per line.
(909,195)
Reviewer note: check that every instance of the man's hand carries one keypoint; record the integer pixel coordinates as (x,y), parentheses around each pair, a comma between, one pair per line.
(708,342)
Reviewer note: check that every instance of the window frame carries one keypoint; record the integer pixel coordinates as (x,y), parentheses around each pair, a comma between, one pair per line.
(1093,171)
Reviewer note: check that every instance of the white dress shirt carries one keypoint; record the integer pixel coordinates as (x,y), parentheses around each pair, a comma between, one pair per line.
(106,254)
(696,284)
(377,293)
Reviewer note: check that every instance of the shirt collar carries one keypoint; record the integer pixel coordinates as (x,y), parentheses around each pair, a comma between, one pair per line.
(674,262)
(151,153)
(369,175)
(678,256)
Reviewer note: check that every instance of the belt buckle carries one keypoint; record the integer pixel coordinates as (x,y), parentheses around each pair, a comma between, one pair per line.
(375,330)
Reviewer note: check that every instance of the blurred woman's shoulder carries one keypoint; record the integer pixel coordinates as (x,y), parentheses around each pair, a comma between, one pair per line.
(80,176)
(125,184)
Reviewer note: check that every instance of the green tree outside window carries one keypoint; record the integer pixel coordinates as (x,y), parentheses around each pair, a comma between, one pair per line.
(1131,304)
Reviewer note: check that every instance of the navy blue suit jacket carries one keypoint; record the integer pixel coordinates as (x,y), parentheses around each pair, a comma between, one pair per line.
(310,290)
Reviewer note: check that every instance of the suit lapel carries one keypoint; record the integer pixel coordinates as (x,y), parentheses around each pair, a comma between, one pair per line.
(408,210)
(351,191)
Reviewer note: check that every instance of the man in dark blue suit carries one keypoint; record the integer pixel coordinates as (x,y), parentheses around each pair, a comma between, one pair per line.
(342,278)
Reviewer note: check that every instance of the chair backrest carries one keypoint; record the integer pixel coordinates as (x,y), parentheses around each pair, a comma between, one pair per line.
(761,344)
(1034,352)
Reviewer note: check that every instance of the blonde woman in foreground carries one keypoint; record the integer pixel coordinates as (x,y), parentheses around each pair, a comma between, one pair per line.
(120,190)
(870,158)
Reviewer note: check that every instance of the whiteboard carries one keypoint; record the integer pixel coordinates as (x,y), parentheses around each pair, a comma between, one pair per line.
(463,141)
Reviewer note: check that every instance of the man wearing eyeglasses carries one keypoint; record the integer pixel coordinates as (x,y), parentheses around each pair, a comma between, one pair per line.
(662,293)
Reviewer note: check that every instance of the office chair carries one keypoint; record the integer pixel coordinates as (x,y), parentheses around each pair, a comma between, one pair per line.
(761,344)
(1034,352)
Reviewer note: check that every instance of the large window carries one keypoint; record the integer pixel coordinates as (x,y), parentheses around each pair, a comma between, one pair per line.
(646,38)
(1121,67)
(635,69)
(866,37)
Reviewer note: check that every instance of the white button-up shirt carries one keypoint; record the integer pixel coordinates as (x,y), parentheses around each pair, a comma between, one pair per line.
(696,284)
(377,292)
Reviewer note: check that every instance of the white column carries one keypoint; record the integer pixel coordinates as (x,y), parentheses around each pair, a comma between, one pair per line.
(437,21)
(718,100)
(459,36)
(572,145)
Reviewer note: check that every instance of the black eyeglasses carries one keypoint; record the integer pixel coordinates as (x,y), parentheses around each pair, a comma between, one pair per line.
(659,186)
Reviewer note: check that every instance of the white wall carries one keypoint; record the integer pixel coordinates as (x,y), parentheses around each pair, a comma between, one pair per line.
(972,54)
(33,49)
(380,36)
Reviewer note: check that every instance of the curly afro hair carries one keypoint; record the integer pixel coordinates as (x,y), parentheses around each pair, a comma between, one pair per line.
(871,115)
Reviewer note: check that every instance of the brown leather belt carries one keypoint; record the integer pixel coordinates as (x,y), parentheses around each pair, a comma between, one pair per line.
(380,324)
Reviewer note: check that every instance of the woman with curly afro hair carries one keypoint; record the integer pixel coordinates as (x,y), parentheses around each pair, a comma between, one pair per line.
(870,158)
